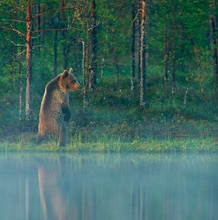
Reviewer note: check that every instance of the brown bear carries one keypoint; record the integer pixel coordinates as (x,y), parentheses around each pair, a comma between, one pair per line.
(55,113)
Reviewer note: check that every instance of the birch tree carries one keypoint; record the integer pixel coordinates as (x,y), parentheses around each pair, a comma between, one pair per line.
(133,80)
(142,55)
(29,60)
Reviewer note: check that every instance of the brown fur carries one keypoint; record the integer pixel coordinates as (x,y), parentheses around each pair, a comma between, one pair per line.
(55,113)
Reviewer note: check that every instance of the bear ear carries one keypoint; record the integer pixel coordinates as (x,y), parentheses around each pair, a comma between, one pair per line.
(65,74)
(70,70)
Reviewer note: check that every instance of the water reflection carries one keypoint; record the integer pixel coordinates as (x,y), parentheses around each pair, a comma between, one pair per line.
(108,186)
(51,198)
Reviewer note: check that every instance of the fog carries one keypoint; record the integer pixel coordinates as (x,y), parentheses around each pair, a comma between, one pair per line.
(108,186)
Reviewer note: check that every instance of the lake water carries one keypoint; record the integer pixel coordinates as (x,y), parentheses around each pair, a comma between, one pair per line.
(108,186)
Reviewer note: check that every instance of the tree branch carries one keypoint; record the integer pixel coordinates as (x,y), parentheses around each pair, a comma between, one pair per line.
(17,45)
(12,29)
(52,10)
(13,20)
(53,29)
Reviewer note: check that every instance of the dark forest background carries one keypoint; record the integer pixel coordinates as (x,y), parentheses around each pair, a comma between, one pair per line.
(153,58)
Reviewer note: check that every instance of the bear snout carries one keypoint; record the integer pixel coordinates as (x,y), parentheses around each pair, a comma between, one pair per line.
(75,86)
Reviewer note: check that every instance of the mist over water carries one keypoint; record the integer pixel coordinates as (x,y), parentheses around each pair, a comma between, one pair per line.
(108,186)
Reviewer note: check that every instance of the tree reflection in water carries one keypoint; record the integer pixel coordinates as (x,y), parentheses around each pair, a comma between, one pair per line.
(108,186)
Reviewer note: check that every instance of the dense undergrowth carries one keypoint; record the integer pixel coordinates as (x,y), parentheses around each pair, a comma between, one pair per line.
(113,121)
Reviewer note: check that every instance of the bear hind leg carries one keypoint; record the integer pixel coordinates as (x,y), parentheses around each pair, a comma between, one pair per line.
(63,136)
(40,138)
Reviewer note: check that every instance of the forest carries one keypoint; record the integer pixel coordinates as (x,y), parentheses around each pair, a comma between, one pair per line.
(148,70)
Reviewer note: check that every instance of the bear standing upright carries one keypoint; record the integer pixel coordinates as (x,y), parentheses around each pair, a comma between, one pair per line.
(55,113)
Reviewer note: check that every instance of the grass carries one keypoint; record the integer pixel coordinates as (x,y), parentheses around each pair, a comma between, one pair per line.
(142,136)
(113,122)
(117,146)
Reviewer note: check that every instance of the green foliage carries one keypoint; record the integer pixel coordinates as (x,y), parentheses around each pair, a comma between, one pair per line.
(112,116)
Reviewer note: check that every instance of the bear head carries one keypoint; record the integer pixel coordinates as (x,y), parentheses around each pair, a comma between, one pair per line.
(68,81)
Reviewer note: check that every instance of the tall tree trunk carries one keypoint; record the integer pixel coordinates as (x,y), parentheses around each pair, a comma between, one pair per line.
(20,86)
(85,64)
(214,43)
(173,47)
(85,73)
(166,54)
(65,49)
(55,52)
(29,60)
(173,55)
(133,80)
(93,37)
(65,45)
(42,37)
(196,50)
(38,26)
(85,77)
(138,28)
(102,66)
(142,56)
(62,4)
(116,65)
